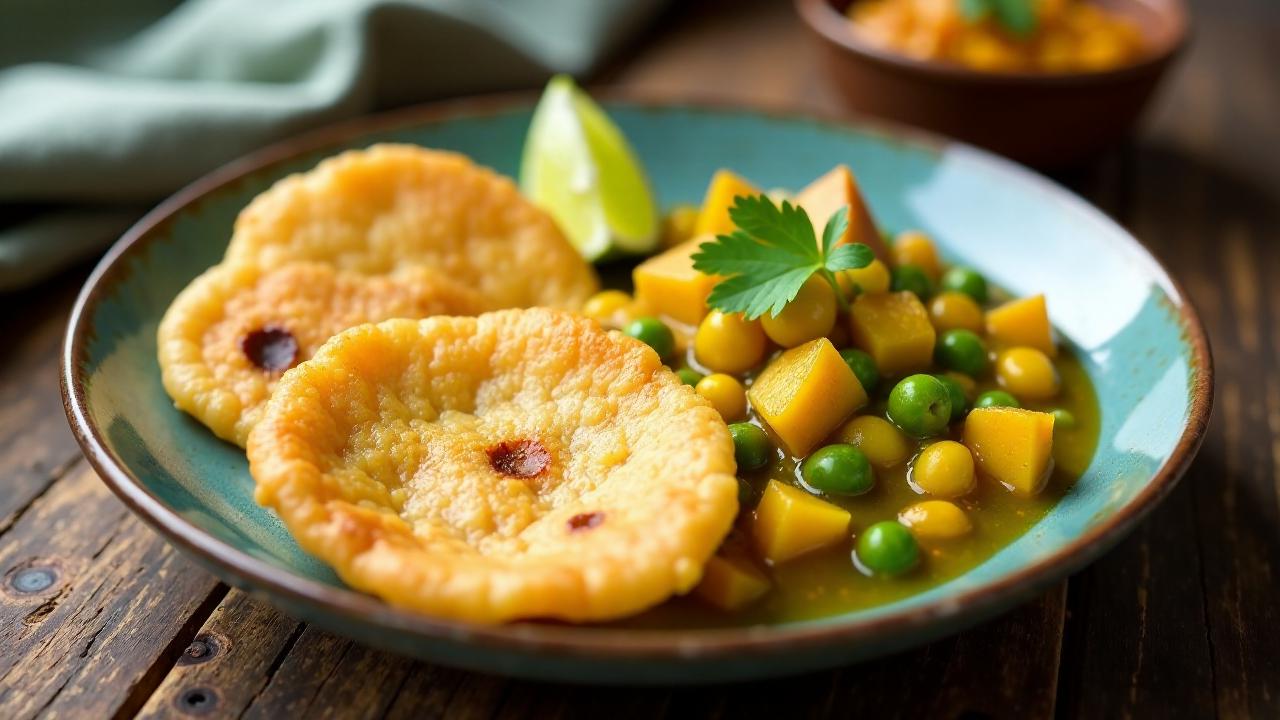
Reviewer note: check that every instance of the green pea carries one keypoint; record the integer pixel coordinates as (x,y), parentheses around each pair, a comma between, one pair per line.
(652,332)
(887,548)
(838,469)
(996,398)
(968,281)
(863,367)
(910,277)
(751,448)
(962,350)
(689,376)
(1063,419)
(920,405)
(959,405)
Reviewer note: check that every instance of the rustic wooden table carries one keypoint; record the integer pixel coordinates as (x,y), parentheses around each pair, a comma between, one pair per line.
(1179,620)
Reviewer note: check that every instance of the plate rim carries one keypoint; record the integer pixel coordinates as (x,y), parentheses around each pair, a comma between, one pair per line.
(593,641)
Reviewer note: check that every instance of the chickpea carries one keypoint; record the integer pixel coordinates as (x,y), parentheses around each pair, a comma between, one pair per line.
(677,226)
(872,279)
(936,520)
(915,248)
(1027,373)
(809,316)
(726,394)
(882,443)
(952,310)
(944,469)
(729,343)
(610,308)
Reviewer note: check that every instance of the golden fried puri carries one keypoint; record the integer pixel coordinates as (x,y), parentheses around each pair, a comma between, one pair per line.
(519,464)
(227,338)
(376,210)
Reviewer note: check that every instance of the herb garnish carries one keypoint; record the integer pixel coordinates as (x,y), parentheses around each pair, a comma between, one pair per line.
(1016,16)
(771,255)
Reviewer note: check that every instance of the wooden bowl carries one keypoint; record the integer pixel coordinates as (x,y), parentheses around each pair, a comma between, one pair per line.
(1046,120)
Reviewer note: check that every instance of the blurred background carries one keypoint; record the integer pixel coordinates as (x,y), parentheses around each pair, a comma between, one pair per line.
(106,108)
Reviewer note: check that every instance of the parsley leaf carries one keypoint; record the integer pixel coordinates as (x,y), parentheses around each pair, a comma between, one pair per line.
(771,255)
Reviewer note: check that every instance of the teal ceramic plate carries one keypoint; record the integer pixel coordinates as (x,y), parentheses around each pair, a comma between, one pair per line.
(1139,338)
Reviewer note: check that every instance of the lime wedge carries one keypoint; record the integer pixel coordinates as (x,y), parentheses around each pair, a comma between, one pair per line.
(578,166)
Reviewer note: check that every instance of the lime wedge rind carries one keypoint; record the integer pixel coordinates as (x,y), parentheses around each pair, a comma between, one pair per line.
(579,167)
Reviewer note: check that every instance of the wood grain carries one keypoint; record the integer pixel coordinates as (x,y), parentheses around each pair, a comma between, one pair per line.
(1232,195)
(228,662)
(326,676)
(1005,668)
(754,51)
(92,601)
(1174,622)
(36,446)
(1136,643)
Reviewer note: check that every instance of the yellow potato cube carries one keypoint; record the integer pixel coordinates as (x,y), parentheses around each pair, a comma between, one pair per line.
(730,582)
(790,522)
(1011,446)
(837,189)
(714,217)
(894,329)
(667,284)
(1023,322)
(805,393)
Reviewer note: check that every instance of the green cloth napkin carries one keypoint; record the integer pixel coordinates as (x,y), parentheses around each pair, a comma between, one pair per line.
(108,106)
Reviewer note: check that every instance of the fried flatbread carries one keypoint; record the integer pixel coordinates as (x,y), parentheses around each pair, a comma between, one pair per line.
(519,464)
(377,210)
(227,338)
